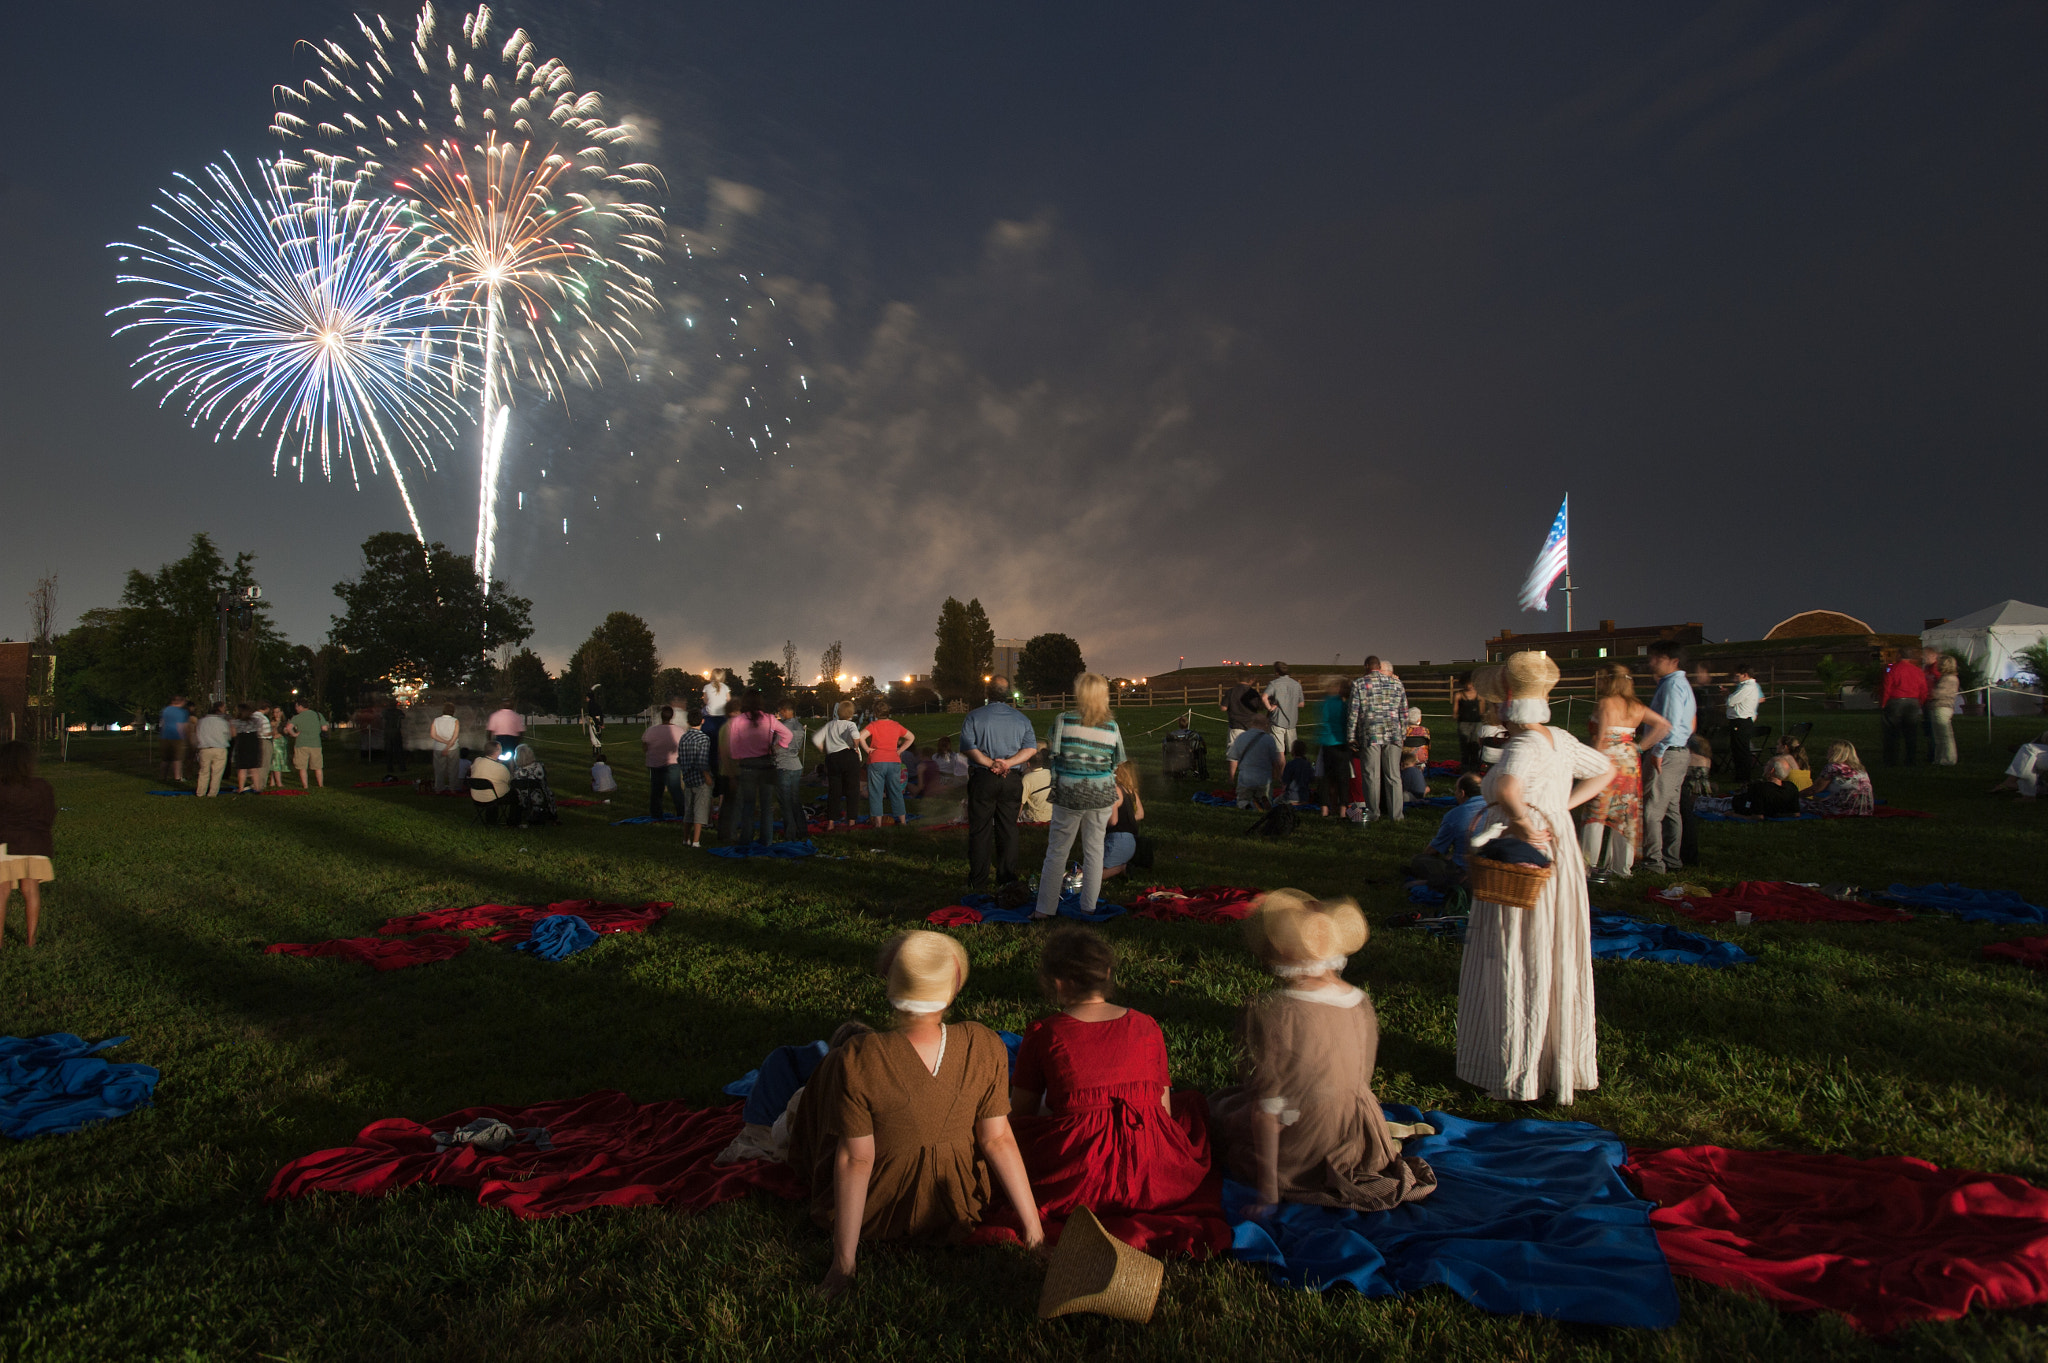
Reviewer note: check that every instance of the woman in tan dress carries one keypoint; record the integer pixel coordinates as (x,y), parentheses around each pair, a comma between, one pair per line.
(899,1130)
(1302,1124)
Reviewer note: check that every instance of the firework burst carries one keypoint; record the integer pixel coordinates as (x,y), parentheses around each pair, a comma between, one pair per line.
(299,308)
(510,172)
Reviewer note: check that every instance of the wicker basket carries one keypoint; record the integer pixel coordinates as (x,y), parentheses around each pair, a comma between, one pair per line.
(1508,884)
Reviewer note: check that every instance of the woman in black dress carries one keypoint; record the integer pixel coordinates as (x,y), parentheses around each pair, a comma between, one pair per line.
(1120,842)
(247,751)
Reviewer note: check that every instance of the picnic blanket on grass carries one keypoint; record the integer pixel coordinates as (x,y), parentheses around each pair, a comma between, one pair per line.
(1972,906)
(384,953)
(1883,1241)
(603,1150)
(1209,904)
(2031,952)
(558,936)
(783,851)
(1774,901)
(1623,937)
(516,921)
(982,908)
(55,1084)
(1528,1218)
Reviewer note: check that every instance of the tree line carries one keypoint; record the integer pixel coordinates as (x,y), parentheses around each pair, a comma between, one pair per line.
(418,614)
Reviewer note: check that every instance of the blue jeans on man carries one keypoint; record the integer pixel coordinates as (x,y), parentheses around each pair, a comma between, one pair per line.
(787,782)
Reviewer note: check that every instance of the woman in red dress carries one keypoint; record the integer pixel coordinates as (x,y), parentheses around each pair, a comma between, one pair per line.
(1096,1117)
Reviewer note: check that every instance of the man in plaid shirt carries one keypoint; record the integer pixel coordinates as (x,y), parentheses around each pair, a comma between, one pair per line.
(1377,718)
(687,781)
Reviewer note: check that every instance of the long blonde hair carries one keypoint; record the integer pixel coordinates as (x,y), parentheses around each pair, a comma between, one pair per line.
(1614,680)
(1844,752)
(1127,777)
(1091,698)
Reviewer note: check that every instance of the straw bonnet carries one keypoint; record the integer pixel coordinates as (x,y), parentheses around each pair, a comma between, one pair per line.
(1094,1271)
(924,970)
(1487,681)
(1288,927)
(1529,676)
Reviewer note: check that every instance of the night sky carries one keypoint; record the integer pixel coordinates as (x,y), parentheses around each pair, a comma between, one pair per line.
(1225,332)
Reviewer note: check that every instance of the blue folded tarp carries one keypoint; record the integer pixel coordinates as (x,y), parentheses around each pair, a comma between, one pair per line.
(1070,907)
(1620,937)
(1715,816)
(1528,1218)
(54,1084)
(558,936)
(168,792)
(1972,906)
(787,851)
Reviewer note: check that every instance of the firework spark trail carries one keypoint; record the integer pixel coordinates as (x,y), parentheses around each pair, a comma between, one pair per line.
(508,169)
(304,308)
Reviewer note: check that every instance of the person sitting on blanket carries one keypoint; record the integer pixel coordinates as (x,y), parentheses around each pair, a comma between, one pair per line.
(1036,803)
(1842,788)
(1794,750)
(900,1132)
(1415,757)
(1770,796)
(2024,772)
(777,1093)
(1093,1104)
(1298,778)
(1442,867)
(1302,1124)
(1120,843)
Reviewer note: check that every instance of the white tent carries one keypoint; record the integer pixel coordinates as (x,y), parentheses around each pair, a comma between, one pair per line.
(1992,637)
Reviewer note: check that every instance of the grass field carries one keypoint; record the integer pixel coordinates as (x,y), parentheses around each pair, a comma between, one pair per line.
(148,1236)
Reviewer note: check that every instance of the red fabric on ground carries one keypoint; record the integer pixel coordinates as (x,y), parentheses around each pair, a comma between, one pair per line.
(1209,904)
(1775,901)
(2028,951)
(517,920)
(1108,1146)
(607,1151)
(954,916)
(384,785)
(575,800)
(381,952)
(1883,1241)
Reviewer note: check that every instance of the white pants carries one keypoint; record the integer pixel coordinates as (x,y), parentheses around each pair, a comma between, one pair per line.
(213,764)
(2026,765)
(446,765)
(1384,798)
(1089,825)
(1285,738)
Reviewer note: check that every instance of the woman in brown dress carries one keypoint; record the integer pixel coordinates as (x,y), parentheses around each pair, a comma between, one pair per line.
(899,1130)
(1302,1125)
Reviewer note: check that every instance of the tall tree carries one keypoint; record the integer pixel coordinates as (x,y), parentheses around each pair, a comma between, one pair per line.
(765,676)
(1048,665)
(619,657)
(419,611)
(954,674)
(829,665)
(981,639)
(789,661)
(165,632)
(526,677)
(673,685)
(92,684)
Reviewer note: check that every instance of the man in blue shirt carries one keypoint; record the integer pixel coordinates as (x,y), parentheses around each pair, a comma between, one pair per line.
(171,727)
(998,741)
(1665,762)
(1443,865)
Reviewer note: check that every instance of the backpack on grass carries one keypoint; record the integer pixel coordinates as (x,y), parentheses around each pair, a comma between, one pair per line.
(1276,822)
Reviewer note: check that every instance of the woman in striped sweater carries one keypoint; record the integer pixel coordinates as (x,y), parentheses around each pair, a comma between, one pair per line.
(1086,750)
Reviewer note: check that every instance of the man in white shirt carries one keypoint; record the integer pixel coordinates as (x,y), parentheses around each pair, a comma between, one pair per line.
(446,733)
(1742,706)
(1283,694)
(212,742)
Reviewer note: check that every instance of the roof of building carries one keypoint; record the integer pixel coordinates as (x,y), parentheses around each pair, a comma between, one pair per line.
(2003,613)
(1815,624)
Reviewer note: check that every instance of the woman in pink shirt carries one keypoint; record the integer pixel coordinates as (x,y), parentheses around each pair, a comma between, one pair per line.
(755,736)
(659,741)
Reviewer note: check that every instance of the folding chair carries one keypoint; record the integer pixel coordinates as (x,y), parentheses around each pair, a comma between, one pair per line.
(486,810)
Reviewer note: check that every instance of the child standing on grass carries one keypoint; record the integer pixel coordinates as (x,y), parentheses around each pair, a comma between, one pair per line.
(28,822)
(690,777)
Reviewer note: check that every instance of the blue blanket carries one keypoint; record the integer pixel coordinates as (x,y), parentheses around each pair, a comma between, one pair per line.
(168,792)
(54,1084)
(1972,906)
(1070,907)
(1432,802)
(788,1068)
(787,851)
(1528,1218)
(1620,937)
(649,818)
(558,936)
(1715,816)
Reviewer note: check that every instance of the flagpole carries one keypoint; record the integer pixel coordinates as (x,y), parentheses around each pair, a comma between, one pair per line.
(1567,600)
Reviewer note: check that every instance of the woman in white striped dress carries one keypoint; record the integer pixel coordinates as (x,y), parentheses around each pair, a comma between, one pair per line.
(1525,989)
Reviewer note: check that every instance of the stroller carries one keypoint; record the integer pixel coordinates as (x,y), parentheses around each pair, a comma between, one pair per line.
(1184,752)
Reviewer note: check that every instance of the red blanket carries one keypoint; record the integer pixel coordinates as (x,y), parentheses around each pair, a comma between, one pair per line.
(1775,901)
(381,952)
(954,916)
(2028,951)
(606,1151)
(1883,1241)
(1210,904)
(516,920)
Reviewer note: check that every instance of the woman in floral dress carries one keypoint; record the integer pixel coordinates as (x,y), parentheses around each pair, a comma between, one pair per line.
(1623,728)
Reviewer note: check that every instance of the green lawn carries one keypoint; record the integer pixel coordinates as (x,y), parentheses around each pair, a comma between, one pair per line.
(148,1236)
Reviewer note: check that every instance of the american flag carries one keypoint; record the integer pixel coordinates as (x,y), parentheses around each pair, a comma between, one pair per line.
(1550,562)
